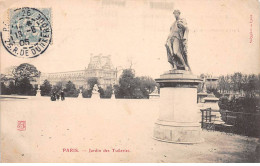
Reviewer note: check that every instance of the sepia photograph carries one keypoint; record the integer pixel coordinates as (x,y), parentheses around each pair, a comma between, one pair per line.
(130,81)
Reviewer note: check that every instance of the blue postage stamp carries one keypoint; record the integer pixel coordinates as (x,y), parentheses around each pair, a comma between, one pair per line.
(28,33)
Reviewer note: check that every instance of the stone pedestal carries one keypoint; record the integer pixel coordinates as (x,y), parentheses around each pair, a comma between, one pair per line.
(212,102)
(95,92)
(95,96)
(201,97)
(178,120)
(154,96)
(113,96)
(38,93)
(80,95)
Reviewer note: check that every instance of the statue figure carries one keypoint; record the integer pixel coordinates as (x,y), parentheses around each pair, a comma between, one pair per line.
(95,89)
(80,94)
(204,88)
(176,44)
(155,90)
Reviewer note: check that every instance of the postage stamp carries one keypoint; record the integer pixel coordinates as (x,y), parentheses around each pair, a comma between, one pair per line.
(27,33)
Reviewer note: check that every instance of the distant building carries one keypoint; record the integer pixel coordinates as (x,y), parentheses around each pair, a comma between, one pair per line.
(100,67)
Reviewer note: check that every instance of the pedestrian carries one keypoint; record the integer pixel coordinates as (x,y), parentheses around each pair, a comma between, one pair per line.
(58,96)
(62,95)
(53,96)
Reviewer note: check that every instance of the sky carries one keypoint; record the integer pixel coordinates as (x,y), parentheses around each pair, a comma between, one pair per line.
(218,41)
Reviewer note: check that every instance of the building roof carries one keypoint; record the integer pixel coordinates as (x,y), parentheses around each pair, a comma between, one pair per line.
(100,62)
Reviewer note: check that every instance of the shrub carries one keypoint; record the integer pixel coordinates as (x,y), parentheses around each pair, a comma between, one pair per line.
(86,93)
(245,118)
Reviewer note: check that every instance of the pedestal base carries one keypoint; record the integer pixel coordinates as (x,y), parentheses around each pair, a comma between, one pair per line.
(178,121)
(154,96)
(113,96)
(182,133)
(38,93)
(95,96)
(80,96)
(212,103)
(201,97)
(218,119)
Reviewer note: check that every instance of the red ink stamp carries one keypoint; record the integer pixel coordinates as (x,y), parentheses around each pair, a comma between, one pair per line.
(21,125)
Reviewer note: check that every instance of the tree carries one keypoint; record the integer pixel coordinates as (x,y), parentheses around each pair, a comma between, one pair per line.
(127,84)
(107,93)
(70,86)
(236,82)
(12,88)
(70,90)
(258,85)
(86,93)
(224,84)
(116,91)
(251,86)
(245,85)
(101,92)
(4,89)
(46,88)
(134,87)
(92,81)
(3,77)
(25,70)
(221,84)
(59,86)
(24,87)
(147,84)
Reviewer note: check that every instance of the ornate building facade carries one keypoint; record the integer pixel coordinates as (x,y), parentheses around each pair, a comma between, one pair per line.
(100,67)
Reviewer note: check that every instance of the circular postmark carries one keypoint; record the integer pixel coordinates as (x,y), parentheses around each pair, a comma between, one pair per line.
(27,33)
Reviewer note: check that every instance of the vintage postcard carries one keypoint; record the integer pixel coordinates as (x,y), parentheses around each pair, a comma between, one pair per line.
(130,81)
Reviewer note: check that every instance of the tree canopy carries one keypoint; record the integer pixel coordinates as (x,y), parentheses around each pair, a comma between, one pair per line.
(134,87)
(25,70)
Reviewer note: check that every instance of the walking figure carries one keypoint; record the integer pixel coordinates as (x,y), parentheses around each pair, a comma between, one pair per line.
(58,96)
(62,95)
(53,96)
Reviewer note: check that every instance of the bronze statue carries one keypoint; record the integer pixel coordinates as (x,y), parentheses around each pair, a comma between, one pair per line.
(176,44)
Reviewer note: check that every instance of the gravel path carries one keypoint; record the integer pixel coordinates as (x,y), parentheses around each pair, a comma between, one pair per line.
(95,128)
